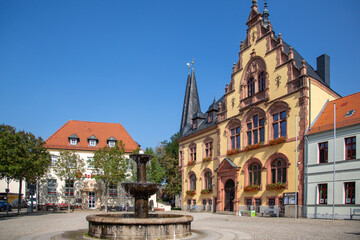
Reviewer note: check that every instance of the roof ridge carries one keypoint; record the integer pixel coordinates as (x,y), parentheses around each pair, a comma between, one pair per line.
(93,122)
(343,98)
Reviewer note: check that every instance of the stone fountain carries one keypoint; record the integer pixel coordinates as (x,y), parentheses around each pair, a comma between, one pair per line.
(141,224)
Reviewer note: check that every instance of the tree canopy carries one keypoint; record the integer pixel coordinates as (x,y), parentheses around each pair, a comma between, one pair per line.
(110,166)
(69,167)
(22,156)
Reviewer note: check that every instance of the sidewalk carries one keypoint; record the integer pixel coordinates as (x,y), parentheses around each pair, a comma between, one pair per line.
(62,225)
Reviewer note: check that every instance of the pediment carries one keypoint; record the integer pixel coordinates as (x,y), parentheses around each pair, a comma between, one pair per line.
(226,164)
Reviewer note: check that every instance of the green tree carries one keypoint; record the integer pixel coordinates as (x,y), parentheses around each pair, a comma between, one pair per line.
(69,167)
(167,153)
(22,156)
(155,170)
(110,166)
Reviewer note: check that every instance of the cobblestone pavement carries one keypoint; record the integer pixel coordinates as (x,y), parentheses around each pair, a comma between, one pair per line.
(49,225)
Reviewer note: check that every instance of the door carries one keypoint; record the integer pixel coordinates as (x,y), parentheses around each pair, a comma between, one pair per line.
(91,200)
(229,195)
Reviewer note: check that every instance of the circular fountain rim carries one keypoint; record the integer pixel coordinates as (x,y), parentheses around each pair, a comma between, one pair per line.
(159,220)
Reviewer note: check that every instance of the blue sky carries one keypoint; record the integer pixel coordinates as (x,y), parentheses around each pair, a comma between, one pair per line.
(125,61)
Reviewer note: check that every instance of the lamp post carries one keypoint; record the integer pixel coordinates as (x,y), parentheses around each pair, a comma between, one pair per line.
(7,195)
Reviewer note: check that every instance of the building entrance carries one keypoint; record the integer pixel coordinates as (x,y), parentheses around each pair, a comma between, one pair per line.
(229,195)
(91,200)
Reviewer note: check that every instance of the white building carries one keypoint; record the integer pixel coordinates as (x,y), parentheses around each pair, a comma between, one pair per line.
(84,138)
(319,168)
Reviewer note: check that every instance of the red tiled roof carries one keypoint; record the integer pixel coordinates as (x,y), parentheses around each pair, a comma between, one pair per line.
(343,105)
(84,130)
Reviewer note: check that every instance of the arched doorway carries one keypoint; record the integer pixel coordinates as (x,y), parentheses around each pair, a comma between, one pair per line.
(229,195)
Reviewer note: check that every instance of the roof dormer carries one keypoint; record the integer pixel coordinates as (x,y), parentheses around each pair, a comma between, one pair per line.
(111,142)
(74,140)
(93,141)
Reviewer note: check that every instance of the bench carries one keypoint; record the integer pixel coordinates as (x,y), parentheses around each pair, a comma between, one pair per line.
(270,211)
(247,212)
(354,212)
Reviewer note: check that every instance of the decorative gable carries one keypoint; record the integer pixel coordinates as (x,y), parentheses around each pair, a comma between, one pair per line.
(226,165)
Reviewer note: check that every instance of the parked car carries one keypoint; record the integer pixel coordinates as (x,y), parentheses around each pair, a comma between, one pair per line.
(15,203)
(3,205)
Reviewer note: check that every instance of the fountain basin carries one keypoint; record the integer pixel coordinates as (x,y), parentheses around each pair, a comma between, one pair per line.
(143,190)
(127,227)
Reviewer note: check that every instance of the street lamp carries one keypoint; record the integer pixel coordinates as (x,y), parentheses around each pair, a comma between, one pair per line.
(7,195)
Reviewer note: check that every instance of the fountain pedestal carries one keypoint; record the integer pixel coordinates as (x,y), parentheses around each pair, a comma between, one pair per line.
(141,224)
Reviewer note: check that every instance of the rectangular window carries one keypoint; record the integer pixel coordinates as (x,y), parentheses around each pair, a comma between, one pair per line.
(256,140)
(350,193)
(279,125)
(53,160)
(113,190)
(51,187)
(73,141)
(350,148)
(89,163)
(323,152)
(195,124)
(111,143)
(271,202)
(210,116)
(249,203)
(92,143)
(69,188)
(283,128)
(208,149)
(262,134)
(193,154)
(235,138)
(322,193)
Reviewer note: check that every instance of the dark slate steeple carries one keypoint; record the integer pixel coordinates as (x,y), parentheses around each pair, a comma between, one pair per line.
(191,103)
(266,16)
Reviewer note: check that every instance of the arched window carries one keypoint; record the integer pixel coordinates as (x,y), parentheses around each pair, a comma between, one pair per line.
(255,174)
(251,87)
(192,179)
(208,180)
(278,171)
(261,80)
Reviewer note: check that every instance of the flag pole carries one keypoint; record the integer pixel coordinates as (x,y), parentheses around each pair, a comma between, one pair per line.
(333,207)
(296,164)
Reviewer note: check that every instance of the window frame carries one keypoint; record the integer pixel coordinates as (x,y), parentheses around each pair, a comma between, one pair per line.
(92,143)
(208,180)
(210,116)
(69,187)
(73,142)
(192,152)
(52,187)
(113,190)
(208,149)
(195,123)
(192,180)
(323,152)
(253,172)
(351,191)
(53,160)
(111,144)
(352,149)
(235,137)
(262,81)
(282,169)
(256,130)
(279,122)
(323,195)
(251,87)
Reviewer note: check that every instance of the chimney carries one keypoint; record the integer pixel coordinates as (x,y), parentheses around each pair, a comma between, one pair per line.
(323,68)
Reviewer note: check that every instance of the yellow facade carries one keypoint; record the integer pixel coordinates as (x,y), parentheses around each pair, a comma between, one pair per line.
(290,87)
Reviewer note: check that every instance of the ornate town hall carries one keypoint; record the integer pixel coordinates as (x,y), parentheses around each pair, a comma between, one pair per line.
(241,153)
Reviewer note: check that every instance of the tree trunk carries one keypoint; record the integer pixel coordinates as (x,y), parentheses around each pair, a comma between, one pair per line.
(19,196)
(106,196)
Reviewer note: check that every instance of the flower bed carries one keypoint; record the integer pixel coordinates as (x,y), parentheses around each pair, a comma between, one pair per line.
(277,141)
(206,191)
(252,147)
(232,151)
(251,188)
(190,163)
(207,159)
(275,186)
(190,192)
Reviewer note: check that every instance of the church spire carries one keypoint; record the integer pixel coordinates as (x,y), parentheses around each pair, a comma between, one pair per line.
(191,102)
(266,15)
